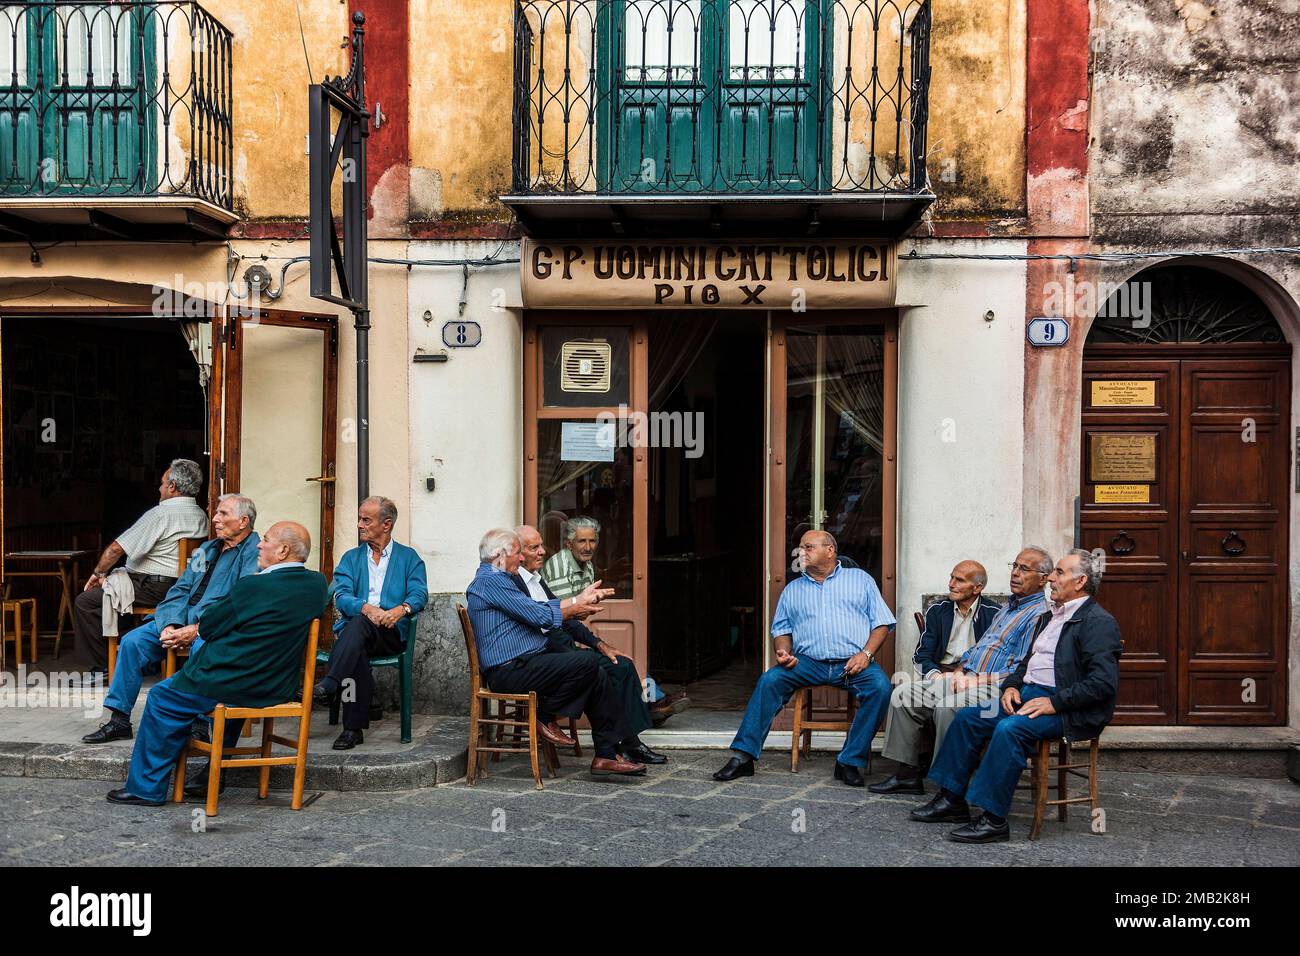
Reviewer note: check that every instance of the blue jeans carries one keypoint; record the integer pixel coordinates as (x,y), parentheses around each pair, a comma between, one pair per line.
(775,688)
(1011,739)
(139,648)
(164,728)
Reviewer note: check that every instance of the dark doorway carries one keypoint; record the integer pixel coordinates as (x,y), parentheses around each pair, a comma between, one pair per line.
(706,506)
(95,408)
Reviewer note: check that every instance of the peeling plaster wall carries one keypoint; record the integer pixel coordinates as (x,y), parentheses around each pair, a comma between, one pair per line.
(1196,122)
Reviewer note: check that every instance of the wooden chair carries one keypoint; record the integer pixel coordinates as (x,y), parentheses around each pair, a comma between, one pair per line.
(516,711)
(14,607)
(219,755)
(187,548)
(801,735)
(1040,768)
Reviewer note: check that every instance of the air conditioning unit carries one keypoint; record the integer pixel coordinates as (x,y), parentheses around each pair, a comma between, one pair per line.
(584,366)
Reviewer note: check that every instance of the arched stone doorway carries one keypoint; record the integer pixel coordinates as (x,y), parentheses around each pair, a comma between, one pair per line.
(1184,487)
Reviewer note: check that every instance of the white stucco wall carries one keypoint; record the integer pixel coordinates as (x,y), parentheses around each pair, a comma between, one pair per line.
(960,420)
(464,413)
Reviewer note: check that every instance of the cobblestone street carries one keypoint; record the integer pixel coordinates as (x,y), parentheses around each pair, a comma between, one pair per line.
(675,816)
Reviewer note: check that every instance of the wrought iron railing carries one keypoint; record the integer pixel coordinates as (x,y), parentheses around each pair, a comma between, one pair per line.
(115,99)
(720,96)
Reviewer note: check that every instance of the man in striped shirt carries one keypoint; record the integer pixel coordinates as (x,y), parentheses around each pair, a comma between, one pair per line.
(936,699)
(828,626)
(515,656)
(571,569)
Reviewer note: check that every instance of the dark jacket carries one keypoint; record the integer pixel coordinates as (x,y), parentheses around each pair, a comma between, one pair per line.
(1087,670)
(576,630)
(253,639)
(938,628)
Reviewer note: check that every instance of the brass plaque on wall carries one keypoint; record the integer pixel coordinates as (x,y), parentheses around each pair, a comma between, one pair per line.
(1122,494)
(1134,394)
(1126,457)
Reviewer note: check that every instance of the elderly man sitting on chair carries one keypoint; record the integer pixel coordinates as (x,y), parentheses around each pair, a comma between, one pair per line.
(829,623)
(378,588)
(253,641)
(212,572)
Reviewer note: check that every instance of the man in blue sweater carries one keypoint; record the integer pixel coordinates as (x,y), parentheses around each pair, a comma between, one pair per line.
(379,586)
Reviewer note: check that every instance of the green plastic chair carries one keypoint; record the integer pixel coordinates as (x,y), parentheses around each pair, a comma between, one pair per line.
(403,663)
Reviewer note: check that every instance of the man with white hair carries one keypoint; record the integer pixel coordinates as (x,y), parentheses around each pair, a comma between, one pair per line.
(517,657)
(572,568)
(379,587)
(212,572)
(255,637)
(151,548)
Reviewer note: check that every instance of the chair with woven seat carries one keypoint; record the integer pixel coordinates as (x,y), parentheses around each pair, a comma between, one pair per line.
(258,755)
(801,735)
(187,548)
(14,608)
(518,712)
(1040,769)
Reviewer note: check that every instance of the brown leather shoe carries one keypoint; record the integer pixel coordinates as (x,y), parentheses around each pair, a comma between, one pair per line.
(603,766)
(554,734)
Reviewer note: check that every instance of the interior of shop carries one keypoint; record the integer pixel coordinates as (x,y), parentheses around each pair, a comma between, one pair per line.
(95,408)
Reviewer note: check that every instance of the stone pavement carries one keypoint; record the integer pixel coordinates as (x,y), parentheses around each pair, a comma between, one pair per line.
(675,815)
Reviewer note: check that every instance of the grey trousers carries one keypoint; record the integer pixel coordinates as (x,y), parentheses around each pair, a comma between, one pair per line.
(916,703)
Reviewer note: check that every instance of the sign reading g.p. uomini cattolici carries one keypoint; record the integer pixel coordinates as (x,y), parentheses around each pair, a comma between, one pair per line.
(712,275)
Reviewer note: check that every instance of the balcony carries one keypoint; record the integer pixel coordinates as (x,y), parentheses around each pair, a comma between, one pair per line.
(764,118)
(115,122)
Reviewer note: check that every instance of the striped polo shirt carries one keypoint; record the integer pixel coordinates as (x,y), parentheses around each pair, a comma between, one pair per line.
(831,620)
(1006,641)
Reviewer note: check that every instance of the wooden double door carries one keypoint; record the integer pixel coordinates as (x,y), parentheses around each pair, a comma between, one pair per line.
(1185,492)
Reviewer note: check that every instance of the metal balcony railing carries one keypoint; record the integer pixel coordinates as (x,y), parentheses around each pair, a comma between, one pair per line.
(708,97)
(115,99)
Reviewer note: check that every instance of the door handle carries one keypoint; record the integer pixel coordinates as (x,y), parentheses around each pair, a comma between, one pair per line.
(324,479)
(1236,549)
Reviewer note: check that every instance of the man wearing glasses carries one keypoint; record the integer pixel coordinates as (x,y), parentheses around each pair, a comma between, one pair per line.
(829,623)
(974,680)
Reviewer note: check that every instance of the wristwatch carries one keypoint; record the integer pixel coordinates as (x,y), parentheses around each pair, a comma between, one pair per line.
(407,608)
(871,658)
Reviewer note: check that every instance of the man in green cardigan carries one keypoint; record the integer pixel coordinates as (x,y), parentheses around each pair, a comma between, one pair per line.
(253,643)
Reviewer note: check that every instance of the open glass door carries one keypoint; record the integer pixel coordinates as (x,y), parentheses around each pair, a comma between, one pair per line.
(281,409)
(833,413)
(579,369)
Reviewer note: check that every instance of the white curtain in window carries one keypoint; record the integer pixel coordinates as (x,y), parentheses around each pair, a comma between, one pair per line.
(765,35)
(13,44)
(93,41)
(651,51)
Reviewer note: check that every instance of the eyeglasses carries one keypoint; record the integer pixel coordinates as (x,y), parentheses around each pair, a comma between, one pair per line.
(1023,568)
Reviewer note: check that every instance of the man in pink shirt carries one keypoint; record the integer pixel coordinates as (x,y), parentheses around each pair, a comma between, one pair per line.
(1065,687)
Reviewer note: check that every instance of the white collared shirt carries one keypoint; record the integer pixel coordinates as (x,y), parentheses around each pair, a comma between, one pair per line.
(377,572)
(1042,659)
(282,565)
(534,582)
(962,635)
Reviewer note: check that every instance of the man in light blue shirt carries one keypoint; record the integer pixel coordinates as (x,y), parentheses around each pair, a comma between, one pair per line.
(828,626)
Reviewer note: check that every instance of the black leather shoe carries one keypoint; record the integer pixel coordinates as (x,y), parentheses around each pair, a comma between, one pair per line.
(196,783)
(641,754)
(349,739)
(125,796)
(736,767)
(898,784)
(982,831)
(114,729)
(943,810)
(849,774)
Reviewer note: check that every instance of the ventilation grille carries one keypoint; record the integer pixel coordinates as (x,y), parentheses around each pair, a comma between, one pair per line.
(584,366)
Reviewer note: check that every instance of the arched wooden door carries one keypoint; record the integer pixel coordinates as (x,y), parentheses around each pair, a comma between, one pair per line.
(1185,491)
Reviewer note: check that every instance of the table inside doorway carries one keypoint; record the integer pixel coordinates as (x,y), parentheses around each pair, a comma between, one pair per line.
(65,570)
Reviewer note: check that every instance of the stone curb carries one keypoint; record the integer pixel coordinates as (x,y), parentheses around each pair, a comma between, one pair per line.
(437,758)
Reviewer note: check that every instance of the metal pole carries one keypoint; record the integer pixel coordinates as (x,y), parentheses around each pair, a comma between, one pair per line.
(362,318)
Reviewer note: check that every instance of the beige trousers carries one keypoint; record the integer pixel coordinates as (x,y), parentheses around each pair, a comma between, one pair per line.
(916,703)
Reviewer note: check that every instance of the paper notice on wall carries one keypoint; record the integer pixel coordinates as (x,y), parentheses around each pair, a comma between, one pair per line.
(586,441)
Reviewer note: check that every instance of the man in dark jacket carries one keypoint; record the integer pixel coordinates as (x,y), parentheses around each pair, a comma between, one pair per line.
(1065,687)
(253,642)
(955,624)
